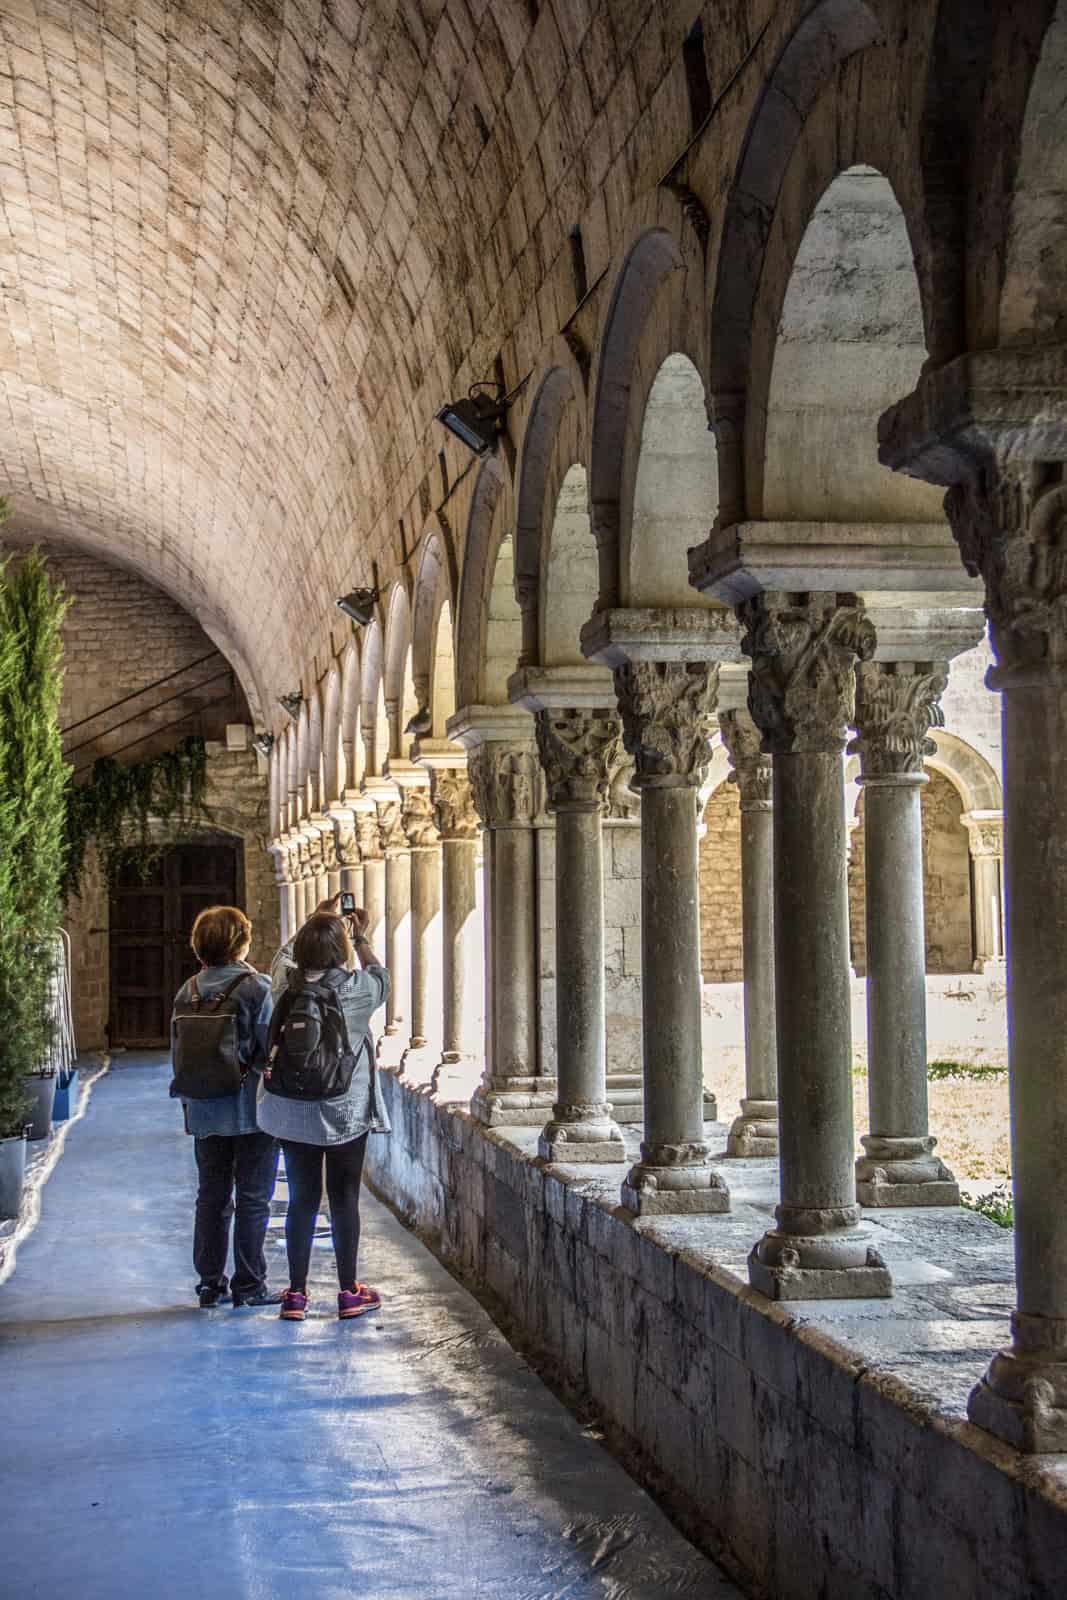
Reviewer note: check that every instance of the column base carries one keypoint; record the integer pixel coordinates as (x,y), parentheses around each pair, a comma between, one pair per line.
(755,1131)
(673,1180)
(581,1133)
(626,1091)
(1023,1396)
(711,1107)
(818,1255)
(418,1061)
(903,1172)
(514,1102)
(455,1078)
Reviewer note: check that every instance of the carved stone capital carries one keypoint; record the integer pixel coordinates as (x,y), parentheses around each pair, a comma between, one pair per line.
(804,650)
(751,768)
(667,710)
(418,820)
(622,802)
(1010,522)
(453,799)
(391,827)
(577,749)
(504,780)
(985,833)
(896,704)
(368,835)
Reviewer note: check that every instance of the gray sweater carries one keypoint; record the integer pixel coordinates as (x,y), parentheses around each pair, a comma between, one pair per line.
(360,1109)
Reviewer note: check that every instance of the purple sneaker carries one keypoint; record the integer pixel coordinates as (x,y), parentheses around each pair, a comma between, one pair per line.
(294,1306)
(356,1302)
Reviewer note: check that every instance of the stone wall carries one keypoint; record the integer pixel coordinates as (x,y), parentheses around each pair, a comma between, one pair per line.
(720,888)
(809,1466)
(946,882)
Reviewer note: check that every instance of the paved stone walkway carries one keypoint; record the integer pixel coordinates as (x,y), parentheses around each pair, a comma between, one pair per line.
(154,1449)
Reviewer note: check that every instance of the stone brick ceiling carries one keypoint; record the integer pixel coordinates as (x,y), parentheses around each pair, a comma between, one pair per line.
(227,234)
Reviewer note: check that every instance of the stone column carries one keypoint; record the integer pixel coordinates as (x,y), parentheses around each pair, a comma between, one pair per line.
(397,914)
(985,836)
(279,849)
(346,851)
(755,1131)
(457,821)
(896,704)
(667,709)
(505,783)
(803,650)
(369,840)
(425,844)
(318,882)
(1012,527)
(577,750)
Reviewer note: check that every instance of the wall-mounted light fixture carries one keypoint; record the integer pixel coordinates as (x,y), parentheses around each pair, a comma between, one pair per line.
(359,604)
(264,743)
(291,703)
(420,723)
(478,418)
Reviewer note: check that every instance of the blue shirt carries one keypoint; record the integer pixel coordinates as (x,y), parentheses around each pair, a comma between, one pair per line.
(231,1114)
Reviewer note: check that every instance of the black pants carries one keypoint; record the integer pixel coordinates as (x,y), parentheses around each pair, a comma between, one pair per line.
(246,1164)
(344,1171)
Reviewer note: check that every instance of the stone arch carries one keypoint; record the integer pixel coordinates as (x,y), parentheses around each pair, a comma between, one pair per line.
(552,443)
(375,723)
(656,306)
(976,779)
(489,625)
(433,665)
(291,770)
(333,756)
(848,339)
(351,744)
(1033,297)
(827,35)
(397,681)
(276,787)
(303,731)
(567,590)
(675,489)
(442,673)
(314,752)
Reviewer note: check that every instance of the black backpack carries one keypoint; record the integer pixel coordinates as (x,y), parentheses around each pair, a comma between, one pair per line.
(206,1064)
(309,1055)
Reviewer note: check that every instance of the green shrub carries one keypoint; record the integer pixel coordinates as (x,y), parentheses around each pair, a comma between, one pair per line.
(976,1071)
(998,1205)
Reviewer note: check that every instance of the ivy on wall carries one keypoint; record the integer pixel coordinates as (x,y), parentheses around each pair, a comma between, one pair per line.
(135,812)
(33,819)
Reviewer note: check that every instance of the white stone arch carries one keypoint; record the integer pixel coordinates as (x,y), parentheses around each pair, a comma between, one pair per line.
(675,497)
(849,340)
(442,673)
(372,702)
(303,745)
(314,752)
(351,744)
(489,627)
(569,576)
(398,682)
(432,650)
(1033,298)
(333,757)
(976,779)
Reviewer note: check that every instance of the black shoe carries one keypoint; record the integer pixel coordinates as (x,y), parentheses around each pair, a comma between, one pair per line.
(213,1294)
(258,1297)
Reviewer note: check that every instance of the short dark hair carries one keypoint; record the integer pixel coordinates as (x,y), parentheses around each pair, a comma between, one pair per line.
(323,942)
(219,934)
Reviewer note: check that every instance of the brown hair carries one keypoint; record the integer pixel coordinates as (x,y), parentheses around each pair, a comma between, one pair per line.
(323,942)
(219,935)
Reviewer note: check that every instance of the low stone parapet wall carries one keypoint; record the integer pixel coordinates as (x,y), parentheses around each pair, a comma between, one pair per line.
(802,1459)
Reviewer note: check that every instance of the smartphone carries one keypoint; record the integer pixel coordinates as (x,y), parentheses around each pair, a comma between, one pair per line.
(348,903)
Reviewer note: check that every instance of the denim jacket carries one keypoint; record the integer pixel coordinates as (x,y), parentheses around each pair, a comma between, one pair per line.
(232,1114)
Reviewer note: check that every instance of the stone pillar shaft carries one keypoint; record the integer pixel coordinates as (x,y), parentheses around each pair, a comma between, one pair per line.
(577,751)
(667,709)
(461,950)
(803,651)
(398,939)
(425,944)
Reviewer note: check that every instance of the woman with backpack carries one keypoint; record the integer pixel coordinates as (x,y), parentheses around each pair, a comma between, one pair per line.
(319,1094)
(218,1039)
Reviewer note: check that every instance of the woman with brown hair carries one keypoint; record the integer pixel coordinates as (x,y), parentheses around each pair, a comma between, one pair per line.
(319,1095)
(236,1162)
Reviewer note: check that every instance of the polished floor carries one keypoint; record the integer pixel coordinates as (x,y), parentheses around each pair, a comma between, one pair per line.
(151,1449)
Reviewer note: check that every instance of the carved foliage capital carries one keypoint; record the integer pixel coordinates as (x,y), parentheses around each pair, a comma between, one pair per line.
(419,822)
(1010,523)
(577,750)
(802,686)
(504,779)
(368,835)
(896,705)
(667,710)
(453,800)
(391,826)
(751,767)
(985,835)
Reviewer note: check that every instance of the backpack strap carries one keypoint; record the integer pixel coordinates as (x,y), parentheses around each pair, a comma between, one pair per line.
(224,994)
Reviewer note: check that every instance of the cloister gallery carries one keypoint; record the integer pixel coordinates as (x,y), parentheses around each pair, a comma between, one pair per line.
(676,675)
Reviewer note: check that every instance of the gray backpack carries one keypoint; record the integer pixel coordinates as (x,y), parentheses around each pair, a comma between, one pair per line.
(206,1063)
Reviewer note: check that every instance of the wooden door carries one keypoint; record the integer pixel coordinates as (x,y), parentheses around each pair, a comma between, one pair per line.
(151,919)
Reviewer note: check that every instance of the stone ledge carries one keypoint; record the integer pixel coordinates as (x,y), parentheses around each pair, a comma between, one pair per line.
(811,1446)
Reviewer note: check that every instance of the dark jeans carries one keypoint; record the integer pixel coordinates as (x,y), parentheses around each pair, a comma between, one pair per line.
(247,1164)
(344,1171)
